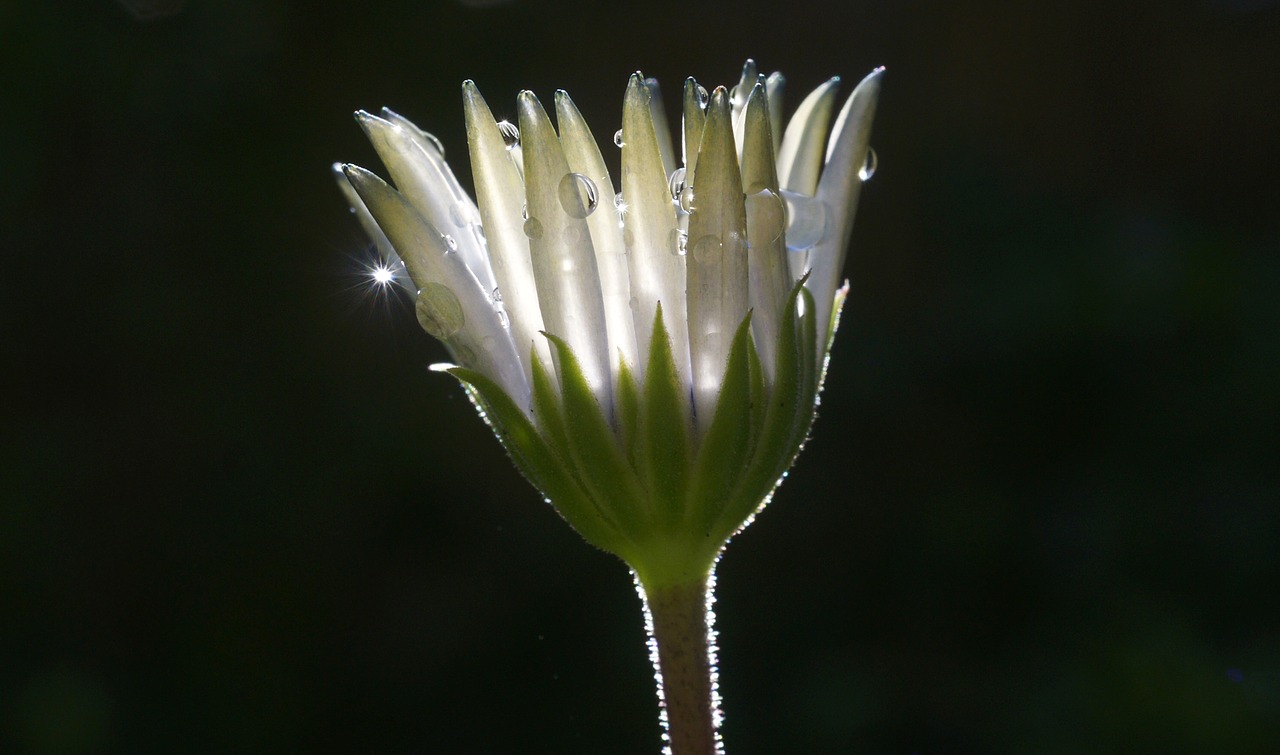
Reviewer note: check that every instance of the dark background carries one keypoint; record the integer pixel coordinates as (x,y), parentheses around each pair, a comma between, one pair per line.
(1039,512)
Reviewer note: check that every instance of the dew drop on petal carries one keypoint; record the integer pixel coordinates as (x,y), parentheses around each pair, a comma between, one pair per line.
(450,243)
(533,228)
(679,242)
(617,138)
(686,200)
(703,96)
(503,319)
(496,296)
(439,311)
(524,211)
(869,165)
(510,134)
(767,212)
(676,183)
(806,220)
(578,195)
(436,144)
(708,249)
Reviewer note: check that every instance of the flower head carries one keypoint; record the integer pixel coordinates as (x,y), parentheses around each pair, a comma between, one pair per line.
(649,358)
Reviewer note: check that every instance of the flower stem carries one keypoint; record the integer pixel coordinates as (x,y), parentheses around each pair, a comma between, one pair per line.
(682,647)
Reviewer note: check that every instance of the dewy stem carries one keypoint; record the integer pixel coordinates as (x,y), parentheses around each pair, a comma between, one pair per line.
(682,647)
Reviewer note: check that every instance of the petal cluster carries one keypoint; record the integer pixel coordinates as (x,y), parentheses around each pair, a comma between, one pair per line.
(649,350)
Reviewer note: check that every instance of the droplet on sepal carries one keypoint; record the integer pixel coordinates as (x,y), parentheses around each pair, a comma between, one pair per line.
(617,138)
(510,134)
(578,195)
(533,228)
(439,311)
(806,220)
(869,165)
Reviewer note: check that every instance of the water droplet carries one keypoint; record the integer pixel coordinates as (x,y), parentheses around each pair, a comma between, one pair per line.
(533,228)
(617,138)
(868,168)
(496,296)
(435,143)
(503,319)
(708,249)
(524,211)
(766,216)
(450,243)
(510,134)
(578,195)
(806,220)
(571,235)
(676,183)
(703,96)
(628,237)
(678,242)
(439,311)
(686,199)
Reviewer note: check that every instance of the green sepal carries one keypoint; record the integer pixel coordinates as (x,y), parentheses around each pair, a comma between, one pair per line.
(662,447)
(726,446)
(601,465)
(788,414)
(626,406)
(546,409)
(535,459)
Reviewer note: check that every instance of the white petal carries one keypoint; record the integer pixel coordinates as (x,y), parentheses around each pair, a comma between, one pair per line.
(464,216)
(583,155)
(500,195)
(800,156)
(717,257)
(564,262)
(766,251)
(661,129)
(776,87)
(649,233)
(420,175)
(386,252)
(695,115)
(838,191)
(469,325)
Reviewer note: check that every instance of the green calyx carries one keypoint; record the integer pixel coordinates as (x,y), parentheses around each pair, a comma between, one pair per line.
(642,482)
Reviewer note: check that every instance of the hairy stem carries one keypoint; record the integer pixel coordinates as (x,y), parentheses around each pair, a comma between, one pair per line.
(682,648)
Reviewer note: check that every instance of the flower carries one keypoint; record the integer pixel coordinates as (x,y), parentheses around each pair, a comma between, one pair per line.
(650,359)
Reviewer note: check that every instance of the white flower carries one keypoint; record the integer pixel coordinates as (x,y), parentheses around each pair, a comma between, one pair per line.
(686,318)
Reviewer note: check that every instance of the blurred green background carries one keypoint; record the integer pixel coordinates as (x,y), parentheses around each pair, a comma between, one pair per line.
(1039,513)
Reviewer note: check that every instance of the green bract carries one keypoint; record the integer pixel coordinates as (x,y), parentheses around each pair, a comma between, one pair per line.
(650,359)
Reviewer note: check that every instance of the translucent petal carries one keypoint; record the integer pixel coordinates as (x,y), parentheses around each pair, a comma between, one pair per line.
(803,145)
(583,155)
(717,258)
(421,176)
(838,190)
(500,195)
(386,252)
(695,115)
(776,87)
(766,251)
(564,262)
(661,128)
(458,307)
(464,216)
(738,99)
(649,226)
